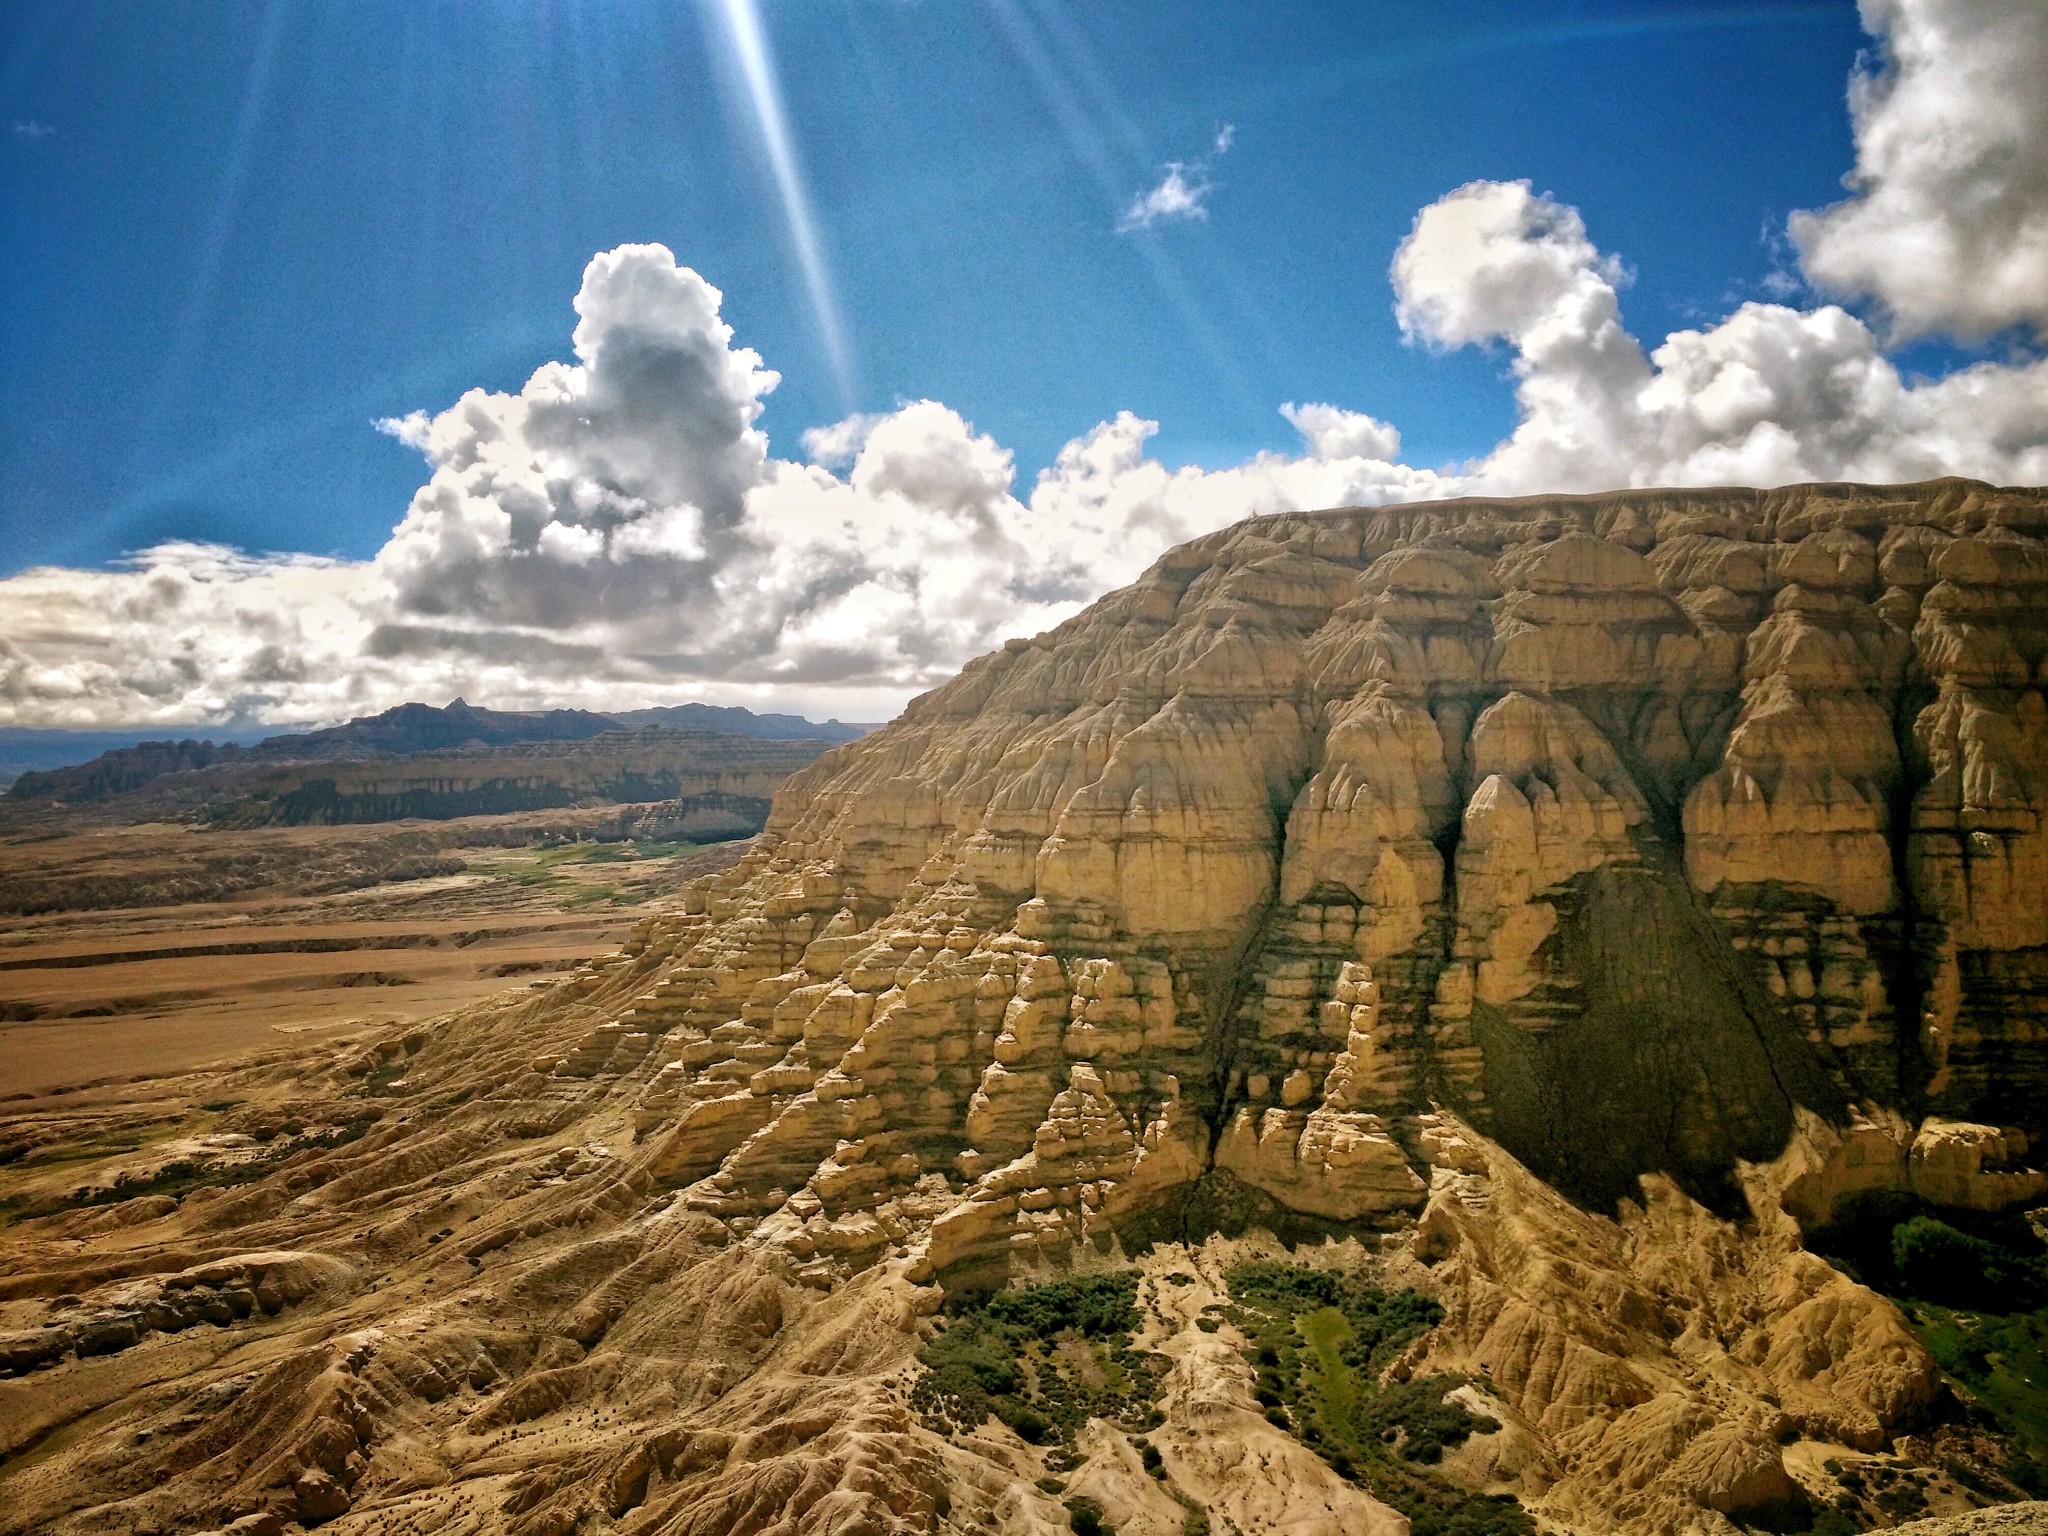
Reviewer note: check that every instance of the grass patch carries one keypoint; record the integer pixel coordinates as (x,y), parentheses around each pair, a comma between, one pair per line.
(1975,1290)
(573,873)
(1320,1341)
(567,889)
(1044,1359)
(637,852)
(77,1152)
(178,1179)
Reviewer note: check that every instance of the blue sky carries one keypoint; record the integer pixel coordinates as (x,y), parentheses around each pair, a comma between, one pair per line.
(255,228)
(789,353)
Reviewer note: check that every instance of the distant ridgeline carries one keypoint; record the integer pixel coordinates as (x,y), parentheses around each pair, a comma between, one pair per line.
(720,766)
(722,785)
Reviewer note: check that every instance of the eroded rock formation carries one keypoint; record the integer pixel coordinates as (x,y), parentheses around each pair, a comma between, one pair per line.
(1625,826)
(1581,898)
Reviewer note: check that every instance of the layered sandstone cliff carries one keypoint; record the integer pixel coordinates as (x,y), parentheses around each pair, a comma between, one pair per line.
(1582,900)
(1626,827)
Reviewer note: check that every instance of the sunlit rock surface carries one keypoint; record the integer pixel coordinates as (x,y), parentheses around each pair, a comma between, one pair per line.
(1580,899)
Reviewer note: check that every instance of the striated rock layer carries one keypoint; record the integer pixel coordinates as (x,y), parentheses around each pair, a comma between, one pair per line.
(1586,898)
(1626,826)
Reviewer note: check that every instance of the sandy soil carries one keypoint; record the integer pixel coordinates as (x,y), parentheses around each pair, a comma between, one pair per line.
(127,993)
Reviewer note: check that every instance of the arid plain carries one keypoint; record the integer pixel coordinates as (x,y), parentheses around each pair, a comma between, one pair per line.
(114,993)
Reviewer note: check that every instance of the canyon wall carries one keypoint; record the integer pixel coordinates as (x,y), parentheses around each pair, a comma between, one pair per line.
(1626,827)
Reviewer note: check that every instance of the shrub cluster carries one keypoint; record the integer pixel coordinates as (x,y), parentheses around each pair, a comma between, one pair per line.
(2001,1362)
(1044,1359)
(1940,1263)
(1975,1288)
(178,1179)
(1320,1342)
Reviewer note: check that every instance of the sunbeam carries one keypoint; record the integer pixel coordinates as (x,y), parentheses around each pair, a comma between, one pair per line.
(1085,141)
(764,93)
(220,227)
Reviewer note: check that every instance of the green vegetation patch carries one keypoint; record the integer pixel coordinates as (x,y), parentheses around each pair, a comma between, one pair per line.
(1320,1340)
(178,1179)
(2002,1363)
(1951,1267)
(1975,1290)
(1044,1359)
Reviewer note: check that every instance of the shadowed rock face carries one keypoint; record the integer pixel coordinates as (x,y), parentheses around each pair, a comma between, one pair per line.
(1649,1045)
(1542,884)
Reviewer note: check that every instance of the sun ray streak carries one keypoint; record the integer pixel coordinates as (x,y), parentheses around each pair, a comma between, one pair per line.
(1114,183)
(764,92)
(220,227)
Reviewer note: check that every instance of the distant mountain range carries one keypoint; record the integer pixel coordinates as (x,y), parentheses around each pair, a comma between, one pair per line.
(733,721)
(125,765)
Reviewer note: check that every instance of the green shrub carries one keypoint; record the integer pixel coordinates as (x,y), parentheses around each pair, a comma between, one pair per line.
(1904,1502)
(1421,1418)
(1320,1339)
(1094,1306)
(1044,1359)
(1935,1261)
(2030,1473)
(1973,1286)
(1084,1516)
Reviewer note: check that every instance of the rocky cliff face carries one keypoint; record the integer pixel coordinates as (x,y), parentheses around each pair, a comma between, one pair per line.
(1628,828)
(1583,900)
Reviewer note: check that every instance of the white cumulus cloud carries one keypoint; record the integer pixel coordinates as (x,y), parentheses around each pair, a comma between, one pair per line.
(618,531)
(182,633)
(1180,195)
(601,501)
(1947,227)
(1770,395)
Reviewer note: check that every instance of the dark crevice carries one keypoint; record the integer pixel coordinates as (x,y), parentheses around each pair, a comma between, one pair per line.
(1439,937)
(1901,948)
(1220,1203)
(1223,999)
(1231,977)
